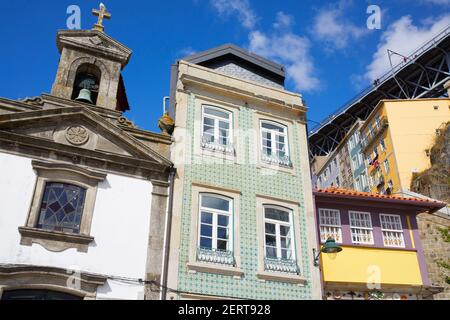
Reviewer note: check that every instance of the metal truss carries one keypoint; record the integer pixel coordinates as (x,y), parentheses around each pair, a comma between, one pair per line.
(421,75)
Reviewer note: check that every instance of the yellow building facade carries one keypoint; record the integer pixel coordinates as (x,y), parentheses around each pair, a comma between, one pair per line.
(396,138)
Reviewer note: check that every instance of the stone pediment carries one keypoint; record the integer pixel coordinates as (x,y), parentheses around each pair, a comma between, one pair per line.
(71,128)
(94,41)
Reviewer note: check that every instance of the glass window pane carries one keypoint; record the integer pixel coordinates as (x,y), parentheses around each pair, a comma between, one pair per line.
(224,125)
(270,228)
(222,220)
(271,252)
(206,230)
(285,243)
(222,233)
(271,126)
(208,122)
(215,203)
(222,245)
(277,214)
(206,243)
(271,240)
(207,217)
(286,254)
(266,135)
(284,230)
(217,113)
(267,143)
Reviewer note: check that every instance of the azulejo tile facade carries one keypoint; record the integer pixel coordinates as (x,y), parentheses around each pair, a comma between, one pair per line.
(252,184)
(249,180)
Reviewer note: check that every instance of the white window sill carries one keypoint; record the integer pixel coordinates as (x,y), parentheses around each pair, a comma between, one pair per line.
(195,267)
(281,277)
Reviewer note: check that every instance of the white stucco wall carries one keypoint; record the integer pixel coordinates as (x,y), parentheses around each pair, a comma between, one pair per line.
(120,227)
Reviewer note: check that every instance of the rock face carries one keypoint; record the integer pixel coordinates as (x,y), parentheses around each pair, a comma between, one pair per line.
(435,181)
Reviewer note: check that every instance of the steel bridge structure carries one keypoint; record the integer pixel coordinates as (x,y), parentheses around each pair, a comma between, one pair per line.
(420,75)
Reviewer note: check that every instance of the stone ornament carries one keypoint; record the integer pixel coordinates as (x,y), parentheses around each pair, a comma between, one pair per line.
(77,135)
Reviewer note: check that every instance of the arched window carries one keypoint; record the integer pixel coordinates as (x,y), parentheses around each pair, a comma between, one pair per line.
(217,129)
(274,143)
(87,83)
(278,235)
(215,222)
(30,294)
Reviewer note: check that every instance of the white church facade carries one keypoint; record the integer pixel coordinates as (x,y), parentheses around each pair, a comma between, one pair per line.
(84,193)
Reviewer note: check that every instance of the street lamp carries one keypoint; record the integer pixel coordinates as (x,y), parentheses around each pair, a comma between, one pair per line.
(330,246)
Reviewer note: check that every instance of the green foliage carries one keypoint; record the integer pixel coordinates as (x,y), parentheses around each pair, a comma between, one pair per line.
(441,263)
(445,233)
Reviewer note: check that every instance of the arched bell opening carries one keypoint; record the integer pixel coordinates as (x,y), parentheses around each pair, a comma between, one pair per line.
(86,84)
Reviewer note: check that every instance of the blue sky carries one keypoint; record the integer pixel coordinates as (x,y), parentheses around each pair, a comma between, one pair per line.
(329,52)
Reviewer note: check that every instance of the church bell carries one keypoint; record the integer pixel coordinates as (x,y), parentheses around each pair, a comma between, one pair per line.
(84,96)
(86,83)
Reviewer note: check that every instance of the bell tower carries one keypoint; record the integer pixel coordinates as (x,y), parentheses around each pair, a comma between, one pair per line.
(90,66)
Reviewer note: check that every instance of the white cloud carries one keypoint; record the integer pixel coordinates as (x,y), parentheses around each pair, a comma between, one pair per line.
(185,52)
(438,2)
(290,50)
(281,44)
(241,8)
(331,26)
(283,20)
(403,37)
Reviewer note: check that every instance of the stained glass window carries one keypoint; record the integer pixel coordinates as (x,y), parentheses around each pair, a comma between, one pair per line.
(61,207)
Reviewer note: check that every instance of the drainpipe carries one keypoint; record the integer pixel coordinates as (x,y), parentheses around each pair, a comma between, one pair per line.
(164,104)
(167,232)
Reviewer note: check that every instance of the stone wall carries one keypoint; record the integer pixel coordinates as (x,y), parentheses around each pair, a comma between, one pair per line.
(435,248)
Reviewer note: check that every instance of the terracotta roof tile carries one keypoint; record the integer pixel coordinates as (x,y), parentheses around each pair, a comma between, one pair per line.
(346,192)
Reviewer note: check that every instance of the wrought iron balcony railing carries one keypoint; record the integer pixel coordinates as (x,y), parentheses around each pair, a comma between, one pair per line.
(281,265)
(375,132)
(275,159)
(380,181)
(215,256)
(215,146)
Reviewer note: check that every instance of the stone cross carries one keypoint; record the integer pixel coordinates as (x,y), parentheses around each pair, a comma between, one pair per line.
(101,14)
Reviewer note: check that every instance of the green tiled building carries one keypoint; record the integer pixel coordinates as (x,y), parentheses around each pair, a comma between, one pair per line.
(244,225)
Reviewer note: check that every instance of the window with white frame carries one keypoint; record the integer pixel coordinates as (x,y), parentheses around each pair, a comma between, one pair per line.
(278,233)
(274,143)
(355,162)
(386,165)
(330,225)
(357,136)
(360,159)
(361,227)
(372,178)
(364,182)
(217,129)
(358,183)
(392,230)
(382,145)
(351,142)
(215,223)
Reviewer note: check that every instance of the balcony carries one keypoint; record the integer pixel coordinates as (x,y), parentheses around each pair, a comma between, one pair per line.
(379,182)
(375,133)
(281,265)
(215,256)
(275,159)
(218,147)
